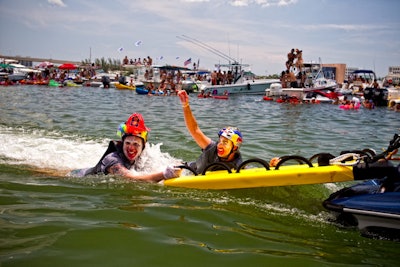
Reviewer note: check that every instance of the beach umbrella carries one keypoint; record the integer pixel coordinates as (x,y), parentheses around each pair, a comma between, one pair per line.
(5,66)
(45,64)
(67,66)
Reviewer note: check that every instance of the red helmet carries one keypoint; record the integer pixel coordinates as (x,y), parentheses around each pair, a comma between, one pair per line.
(135,126)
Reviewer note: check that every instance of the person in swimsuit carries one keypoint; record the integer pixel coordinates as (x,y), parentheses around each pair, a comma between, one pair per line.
(226,150)
(121,156)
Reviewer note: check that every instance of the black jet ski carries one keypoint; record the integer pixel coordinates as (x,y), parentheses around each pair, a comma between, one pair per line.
(373,205)
(368,204)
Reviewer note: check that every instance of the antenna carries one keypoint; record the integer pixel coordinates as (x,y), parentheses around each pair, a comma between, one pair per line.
(206,47)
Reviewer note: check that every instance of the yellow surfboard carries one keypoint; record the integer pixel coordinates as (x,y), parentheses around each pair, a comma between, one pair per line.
(261,177)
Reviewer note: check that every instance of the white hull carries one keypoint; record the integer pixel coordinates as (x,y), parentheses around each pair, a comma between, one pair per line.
(368,218)
(254,87)
(301,93)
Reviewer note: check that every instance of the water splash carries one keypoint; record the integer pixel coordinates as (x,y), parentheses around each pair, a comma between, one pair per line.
(54,150)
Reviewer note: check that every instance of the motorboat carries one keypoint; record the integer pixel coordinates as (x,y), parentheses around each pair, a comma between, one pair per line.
(358,81)
(361,83)
(378,95)
(241,82)
(313,77)
(306,95)
(319,97)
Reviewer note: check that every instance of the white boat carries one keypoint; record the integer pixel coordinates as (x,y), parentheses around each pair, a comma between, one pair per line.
(317,97)
(236,83)
(20,72)
(314,80)
(357,82)
(276,91)
(240,83)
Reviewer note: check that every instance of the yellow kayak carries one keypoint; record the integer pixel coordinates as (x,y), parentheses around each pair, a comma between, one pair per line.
(125,87)
(261,177)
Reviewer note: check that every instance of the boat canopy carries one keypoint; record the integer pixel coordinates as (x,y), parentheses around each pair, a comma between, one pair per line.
(363,71)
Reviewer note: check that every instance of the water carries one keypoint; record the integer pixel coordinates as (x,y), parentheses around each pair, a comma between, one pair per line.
(48,219)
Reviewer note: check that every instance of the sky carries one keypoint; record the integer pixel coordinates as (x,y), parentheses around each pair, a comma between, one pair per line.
(363,34)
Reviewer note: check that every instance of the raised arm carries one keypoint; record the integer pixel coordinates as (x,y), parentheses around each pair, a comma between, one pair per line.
(191,124)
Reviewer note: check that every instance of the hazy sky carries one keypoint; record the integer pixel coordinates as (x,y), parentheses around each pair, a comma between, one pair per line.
(360,33)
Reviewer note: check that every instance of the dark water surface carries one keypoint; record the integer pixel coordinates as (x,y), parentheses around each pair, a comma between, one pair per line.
(47,220)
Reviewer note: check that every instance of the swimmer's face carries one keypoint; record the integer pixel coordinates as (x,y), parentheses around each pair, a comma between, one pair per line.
(132,147)
(224,147)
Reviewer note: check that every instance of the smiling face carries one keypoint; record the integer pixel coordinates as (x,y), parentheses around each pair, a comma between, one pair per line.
(224,147)
(132,147)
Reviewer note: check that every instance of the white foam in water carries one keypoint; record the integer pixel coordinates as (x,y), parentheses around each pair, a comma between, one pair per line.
(55,151)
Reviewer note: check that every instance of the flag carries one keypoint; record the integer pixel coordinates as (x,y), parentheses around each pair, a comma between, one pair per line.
(138,43)
(120,49)
(187,62)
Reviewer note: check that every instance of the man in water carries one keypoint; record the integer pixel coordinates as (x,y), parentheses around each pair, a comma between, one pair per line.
(122,156)
(226,150)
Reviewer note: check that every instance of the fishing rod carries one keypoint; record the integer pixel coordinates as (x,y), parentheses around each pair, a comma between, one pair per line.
(206,47)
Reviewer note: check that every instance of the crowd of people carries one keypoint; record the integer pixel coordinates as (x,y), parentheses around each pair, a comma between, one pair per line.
(147,61)
(290,80)
(294,64)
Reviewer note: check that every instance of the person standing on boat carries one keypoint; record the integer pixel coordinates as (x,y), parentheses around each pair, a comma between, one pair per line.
(122,156)
(299,59)
(226,150)
(291,56)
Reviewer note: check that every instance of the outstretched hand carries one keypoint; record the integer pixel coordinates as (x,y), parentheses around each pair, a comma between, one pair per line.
(183,96)
(172,172)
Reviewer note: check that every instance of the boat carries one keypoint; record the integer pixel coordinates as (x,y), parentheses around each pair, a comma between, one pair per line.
(154,74)
(124,86)
(319,97)
(372,206)
(361,83)
(378,95)
(241,82)
(142,91)
(224,97)
(393,95)
(315,80)
(297,95)
(237,81)
(349,166)
(357,82)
